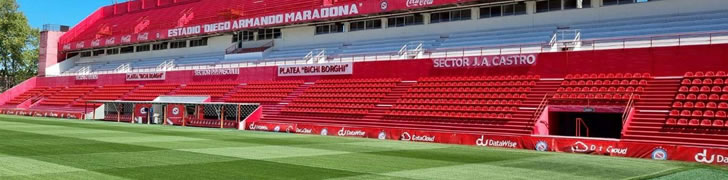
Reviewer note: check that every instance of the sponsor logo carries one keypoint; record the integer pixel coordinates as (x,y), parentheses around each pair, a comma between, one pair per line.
(252,126)
(175,110)
(324,132)
(382,135)
(288,129)
(419,3)
(659,154)
(110,41)
(581,147)
(704,157)
(383,5)
(494,143)
(346,132)
(96,42)
(143,36)
(414,137)
(542,146)
(126,39)
(143,110)
(277,129)
(303,130)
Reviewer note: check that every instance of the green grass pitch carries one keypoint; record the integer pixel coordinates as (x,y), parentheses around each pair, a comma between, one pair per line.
(44,148)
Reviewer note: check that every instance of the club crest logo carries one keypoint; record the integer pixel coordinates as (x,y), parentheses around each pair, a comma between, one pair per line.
(277,129)
(659,154)
(175,111)
(324,132)
(542,146)
(382,135)
(383,5)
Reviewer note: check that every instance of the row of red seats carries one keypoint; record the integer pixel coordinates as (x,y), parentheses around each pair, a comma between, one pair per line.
(368,85)
(291,82)
(460,101)
(704,89)
(597,96)
(467,95)
(326,110)
(604,83)
(698,113)
(244,91)
(457,115)
(628,89)
(345,95)
(271,94)
(344,100)
(254,99)
(380,90)
(456,108)
(705,123)
(471,90)
(702,97)
(481,78)
(706,74)
(700,105)
(609,76)
(272,86)
(333,105)
(351,81)
(476,84)
(703,81)
(213,84)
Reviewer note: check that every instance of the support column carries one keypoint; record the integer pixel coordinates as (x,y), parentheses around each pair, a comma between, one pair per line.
(530,7)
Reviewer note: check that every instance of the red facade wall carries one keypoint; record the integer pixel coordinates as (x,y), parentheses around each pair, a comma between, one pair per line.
(664,61)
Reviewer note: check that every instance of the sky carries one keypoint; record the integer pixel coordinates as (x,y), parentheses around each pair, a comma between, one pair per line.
(63,12)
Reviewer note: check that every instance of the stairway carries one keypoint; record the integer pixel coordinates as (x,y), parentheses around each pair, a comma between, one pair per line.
(647,125)
(275,109)
(229,93)
(543,88)
(385,103)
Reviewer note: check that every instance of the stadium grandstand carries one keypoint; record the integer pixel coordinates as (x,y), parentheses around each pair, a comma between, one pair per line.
(628,78)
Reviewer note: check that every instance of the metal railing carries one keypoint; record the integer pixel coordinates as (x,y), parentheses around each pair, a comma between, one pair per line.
(579,123)
(541,107)
(628,108)
(684,39)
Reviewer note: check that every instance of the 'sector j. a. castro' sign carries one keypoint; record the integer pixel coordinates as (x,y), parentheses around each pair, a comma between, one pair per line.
(486,61)
(316,69)
(145,76)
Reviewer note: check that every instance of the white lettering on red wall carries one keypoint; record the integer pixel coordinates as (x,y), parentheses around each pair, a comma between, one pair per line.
(486,61)
(216,72)
(87,77)
(316,69)
(419,3)
(150,76)
(290,17)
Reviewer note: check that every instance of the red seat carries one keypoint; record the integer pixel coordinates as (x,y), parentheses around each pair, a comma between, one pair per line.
(646,75)
(718,81)
(677,104)
(708,114)
(683,89)
(703,97)
(694,89)
(688,105)
(718,123)
(720,114)
(694,122)
(710,74)
(723,97)
(720,74)
(723,105)
(682,122)
(716,89)
(705,89)
(699,74)
(697,82)
(671,122)
(689,74)
(700,105)
(680,97)
(685,113)
(711,105)
(706,123)
(697,113)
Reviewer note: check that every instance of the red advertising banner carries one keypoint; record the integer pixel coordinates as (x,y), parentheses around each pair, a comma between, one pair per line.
(593,146)
(175,114)
(142,111)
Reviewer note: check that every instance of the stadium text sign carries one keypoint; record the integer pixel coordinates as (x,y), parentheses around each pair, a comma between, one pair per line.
(253,22)
(486,61)
(216,72)
(87,77)
(148,76)
(316,69)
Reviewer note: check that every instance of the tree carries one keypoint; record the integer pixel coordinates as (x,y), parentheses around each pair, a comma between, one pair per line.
(18,46)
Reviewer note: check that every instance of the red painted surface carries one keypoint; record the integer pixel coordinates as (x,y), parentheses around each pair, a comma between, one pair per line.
(660,61)
(18,90)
